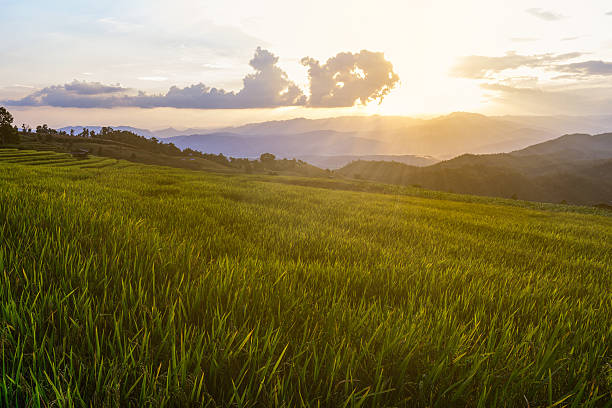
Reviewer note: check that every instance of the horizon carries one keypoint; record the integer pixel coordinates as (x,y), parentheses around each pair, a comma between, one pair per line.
(176,65)
(246,122)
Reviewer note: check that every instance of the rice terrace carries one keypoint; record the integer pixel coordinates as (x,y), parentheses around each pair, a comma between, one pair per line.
(131,284)
(306,204)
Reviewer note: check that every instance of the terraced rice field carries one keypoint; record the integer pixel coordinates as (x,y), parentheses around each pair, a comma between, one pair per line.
(55,159)
(151,286)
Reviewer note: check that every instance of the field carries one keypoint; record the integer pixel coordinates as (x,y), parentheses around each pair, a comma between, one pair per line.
(127,285)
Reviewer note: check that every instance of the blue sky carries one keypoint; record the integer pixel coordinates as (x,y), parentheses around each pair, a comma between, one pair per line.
(527,57)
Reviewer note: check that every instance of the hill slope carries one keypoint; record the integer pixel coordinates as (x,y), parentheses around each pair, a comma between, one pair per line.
(573,168)
(166,287)
(336,162)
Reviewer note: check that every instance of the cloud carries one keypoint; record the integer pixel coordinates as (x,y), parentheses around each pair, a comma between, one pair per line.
(545,14)
(74,94)
(92,88)
(347,78)
(587,68)
(343,80)
(478,67)
(267,87)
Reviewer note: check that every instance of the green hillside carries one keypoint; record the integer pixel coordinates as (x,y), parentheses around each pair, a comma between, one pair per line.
(576,169)
(125,284)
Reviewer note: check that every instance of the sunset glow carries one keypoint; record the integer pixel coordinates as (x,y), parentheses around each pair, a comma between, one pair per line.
(434,47)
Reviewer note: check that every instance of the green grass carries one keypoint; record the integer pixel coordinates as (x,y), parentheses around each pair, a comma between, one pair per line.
(143,285)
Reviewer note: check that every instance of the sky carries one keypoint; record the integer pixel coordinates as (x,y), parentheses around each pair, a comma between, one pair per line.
(191,63)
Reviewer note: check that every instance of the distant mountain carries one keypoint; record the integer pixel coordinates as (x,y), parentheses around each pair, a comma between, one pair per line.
(573,168)
(441,137)
(336,162)
(171,132)
(374,123)
(323,142)
(458,133)
(389,125)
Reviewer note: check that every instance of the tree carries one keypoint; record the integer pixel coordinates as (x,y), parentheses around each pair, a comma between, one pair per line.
(42,129)
(5,117)
(267,157)
(8,134)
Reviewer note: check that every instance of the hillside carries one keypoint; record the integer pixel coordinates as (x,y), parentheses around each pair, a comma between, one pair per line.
(573,147)
(157,286)
(129,146)
(112,149)
(336,162)
(574,168)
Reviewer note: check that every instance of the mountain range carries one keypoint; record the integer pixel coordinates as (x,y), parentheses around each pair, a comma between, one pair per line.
(443,137)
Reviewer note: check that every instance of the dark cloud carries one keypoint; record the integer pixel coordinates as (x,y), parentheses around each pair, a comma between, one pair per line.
(343,80)
(92,88)
(478,67)
(347,78)
(74,94)
(587,68)
(545,14)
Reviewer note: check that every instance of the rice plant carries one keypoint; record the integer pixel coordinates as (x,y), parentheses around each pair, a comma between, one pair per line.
(151,286)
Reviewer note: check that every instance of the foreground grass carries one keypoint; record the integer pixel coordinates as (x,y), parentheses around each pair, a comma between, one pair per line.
(154,286)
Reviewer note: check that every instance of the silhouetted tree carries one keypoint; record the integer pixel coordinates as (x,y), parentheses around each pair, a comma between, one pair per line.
(267,157)
(42,129)
(8,133)
(5,117)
